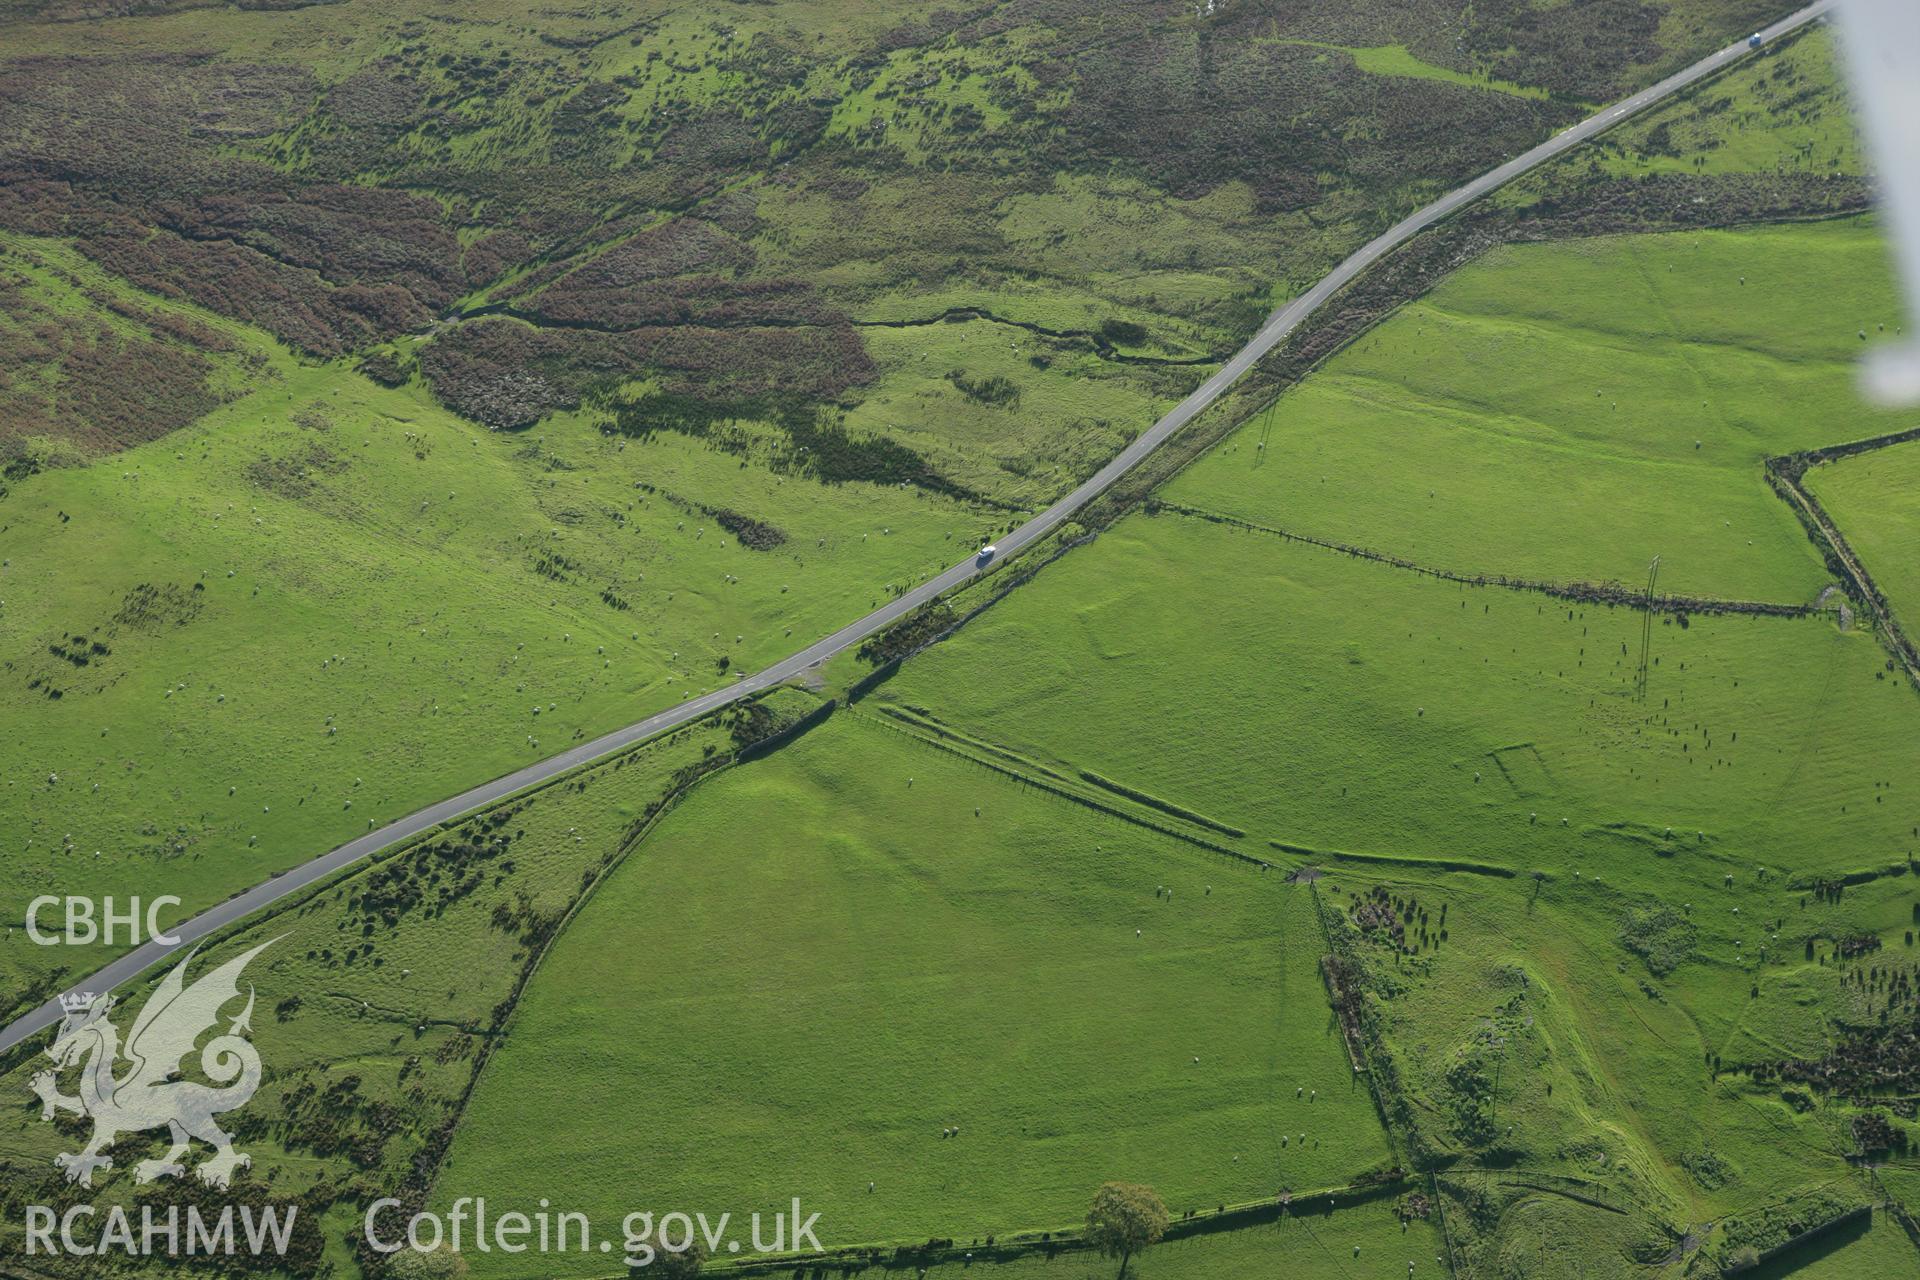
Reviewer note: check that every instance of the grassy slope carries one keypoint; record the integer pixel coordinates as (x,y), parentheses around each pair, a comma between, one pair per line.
(793,990)
(1398,60)
(1600,1066)
(1567,412)
(1060,426)
(917,241)
(1874,498)
(379,573)
(1783,113)
(78,377)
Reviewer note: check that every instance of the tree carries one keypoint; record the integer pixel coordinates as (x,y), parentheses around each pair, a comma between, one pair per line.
(671,1264)
(1125,1218)
(439,1263)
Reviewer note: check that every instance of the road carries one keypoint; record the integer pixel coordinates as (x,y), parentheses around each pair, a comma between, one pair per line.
(1281,323)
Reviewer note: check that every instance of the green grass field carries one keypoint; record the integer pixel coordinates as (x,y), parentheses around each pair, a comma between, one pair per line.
(1483,751)
(1362,1241)
(1343,705)
(1874,500)
(1567,412)
(1875,1248)
(380,992)
(818,987)
(1426,737)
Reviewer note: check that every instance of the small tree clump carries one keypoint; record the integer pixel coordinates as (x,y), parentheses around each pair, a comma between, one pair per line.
(1125,1218)
(440,1263)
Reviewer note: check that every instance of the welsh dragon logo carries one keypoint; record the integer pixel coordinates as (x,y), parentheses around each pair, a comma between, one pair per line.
(146,1096)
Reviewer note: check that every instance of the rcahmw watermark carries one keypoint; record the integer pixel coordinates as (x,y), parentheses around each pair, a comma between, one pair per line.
(169,1232)
(643,1237)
